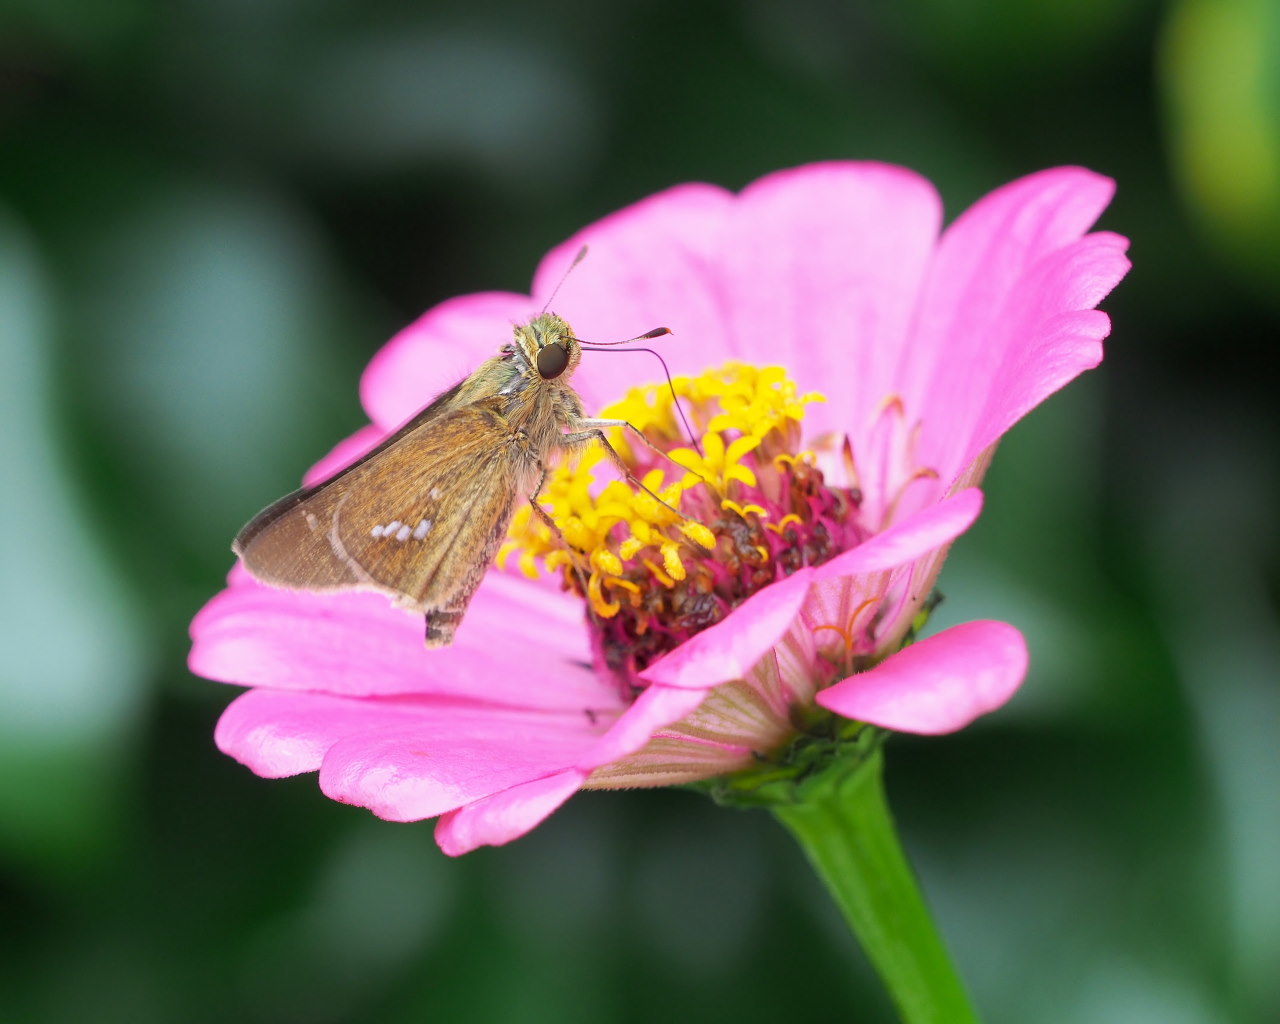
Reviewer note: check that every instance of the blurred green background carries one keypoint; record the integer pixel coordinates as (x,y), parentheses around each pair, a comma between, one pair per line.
(212,212)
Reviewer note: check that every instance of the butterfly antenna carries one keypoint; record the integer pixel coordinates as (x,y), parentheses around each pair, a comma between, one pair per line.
(582,255)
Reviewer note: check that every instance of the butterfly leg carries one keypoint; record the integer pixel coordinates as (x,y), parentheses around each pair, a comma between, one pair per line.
(579,563)
(624,425)
(590,431)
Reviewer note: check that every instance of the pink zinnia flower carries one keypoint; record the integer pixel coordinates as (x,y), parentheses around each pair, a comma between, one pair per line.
(927,349)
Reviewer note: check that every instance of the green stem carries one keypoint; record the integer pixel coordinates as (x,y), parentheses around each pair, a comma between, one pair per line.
(842,821)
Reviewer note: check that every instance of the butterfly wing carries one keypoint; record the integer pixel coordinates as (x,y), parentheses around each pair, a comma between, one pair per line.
(420,518)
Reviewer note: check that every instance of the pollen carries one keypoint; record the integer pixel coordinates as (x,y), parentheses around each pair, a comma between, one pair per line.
(715,517)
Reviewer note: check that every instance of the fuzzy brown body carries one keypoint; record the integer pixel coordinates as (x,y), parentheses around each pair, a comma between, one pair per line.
(422,515)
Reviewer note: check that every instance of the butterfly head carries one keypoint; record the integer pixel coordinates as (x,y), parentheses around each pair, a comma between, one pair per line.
(546,345)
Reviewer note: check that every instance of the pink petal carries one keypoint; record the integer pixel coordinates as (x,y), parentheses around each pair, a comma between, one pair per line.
(459,744)
(357,644)
(440,348)
(443,757)
(652,264)
(276,734)
(908,539)
(732,646)
(824,265)
(657,707)
(505,816)
(1060,337)
(344,453)
(403,758)
(936,685)
(967,327)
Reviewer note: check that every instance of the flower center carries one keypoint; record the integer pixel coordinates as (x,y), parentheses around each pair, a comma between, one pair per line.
(753,509)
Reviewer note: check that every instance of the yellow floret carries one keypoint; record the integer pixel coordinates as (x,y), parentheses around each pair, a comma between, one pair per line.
(620,530)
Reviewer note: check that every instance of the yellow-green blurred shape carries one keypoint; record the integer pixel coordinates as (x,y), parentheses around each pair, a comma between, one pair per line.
(1220,71)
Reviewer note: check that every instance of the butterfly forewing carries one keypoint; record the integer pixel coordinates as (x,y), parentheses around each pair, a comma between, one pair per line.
(435,503)
(422,515)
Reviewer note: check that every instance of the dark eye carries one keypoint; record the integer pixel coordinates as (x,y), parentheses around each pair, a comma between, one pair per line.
(552,360)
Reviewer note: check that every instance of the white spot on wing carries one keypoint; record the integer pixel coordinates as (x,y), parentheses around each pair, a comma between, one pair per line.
(435,493)
(401,531)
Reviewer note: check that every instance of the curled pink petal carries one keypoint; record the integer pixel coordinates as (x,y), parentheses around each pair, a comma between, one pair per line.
(507,815)
(910,539)
(1059,335)
(982,296)
(732,646)
(937,685)
(656,708)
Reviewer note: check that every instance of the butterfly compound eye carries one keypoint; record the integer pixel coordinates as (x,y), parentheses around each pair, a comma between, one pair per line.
(552,360)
